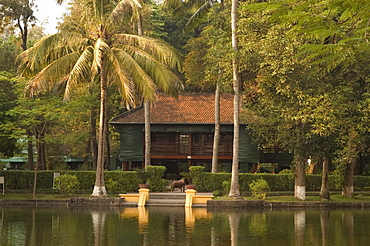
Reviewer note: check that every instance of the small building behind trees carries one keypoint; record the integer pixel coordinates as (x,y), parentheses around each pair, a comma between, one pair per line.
(182,131)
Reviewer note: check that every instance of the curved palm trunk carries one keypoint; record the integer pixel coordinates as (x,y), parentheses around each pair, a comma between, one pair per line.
(216,138)
(99,188)
(147,153)
(234,189)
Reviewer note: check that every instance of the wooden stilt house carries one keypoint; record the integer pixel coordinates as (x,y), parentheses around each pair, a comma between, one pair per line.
(182,131)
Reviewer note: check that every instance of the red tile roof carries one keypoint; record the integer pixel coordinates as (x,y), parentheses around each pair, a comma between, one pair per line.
(197,108)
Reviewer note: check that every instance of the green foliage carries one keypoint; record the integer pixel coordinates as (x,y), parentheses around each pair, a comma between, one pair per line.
(259,188)
(157,183)
(225,189)
(212,181)
(8,97)
(112,185)
(194,175)
(67,183)
(8,53)
(127,180)
(226,186)
(144,175)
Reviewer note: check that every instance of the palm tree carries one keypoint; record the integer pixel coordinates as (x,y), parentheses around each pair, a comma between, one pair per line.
(234,188)
(96,48)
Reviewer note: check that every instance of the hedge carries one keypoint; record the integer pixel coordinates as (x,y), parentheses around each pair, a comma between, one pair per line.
(277,182)
(23,180)
(206,182)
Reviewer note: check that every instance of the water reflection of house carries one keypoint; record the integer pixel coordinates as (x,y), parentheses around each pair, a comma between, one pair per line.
(182,134)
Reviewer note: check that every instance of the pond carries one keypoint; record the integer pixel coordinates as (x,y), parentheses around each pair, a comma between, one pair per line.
(180,226)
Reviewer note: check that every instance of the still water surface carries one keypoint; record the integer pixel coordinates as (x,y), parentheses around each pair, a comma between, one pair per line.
(180,226)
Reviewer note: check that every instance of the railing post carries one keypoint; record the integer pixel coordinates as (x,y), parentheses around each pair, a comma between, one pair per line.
(190,194)
(143,197)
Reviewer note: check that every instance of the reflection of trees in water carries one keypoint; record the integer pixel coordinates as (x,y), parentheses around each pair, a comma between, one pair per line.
(324,221)
(348,224)
(175,226)
(299,227)
(234,220)
(98,218)
(258,224)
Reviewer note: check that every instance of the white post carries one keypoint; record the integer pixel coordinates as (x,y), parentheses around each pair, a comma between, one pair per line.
(2,182)
(56,174)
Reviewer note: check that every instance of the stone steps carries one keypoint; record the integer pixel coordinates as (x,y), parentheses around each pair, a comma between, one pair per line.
(170,199)
(173,199)
(165,199)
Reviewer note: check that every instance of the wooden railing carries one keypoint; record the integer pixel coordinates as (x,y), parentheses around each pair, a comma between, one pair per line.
(195,149)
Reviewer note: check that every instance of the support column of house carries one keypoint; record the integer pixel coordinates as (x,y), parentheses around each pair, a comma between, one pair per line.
(189,150)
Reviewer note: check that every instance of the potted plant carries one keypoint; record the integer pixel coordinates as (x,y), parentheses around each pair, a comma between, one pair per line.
(144,175)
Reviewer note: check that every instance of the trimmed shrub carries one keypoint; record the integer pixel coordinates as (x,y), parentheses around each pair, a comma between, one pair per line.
(259,188)
(67,183)
(156,182)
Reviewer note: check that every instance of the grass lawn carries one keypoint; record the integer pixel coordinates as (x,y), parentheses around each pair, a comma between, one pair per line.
(333,198)
(311,198)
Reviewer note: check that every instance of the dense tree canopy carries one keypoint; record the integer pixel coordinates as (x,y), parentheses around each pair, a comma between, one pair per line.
(96,48)
(303,65)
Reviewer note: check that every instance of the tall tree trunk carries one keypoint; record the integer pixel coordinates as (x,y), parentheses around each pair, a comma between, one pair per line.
(300,178)
(147,153)
(324,192)
(99,188)
(234,188)
(216,137)
(34,182)
(347,189)
(147,133)
(40,146)
(93,142)
(107,149)
(30,161)
(352,156)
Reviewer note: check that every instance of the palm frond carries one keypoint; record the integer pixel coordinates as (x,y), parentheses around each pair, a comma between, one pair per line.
(157,48)
(141,80)
(80,71)
(46,50)
(119,75)
(175,6)
(52,74)
(166,80)
(124,6)
(196,18)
